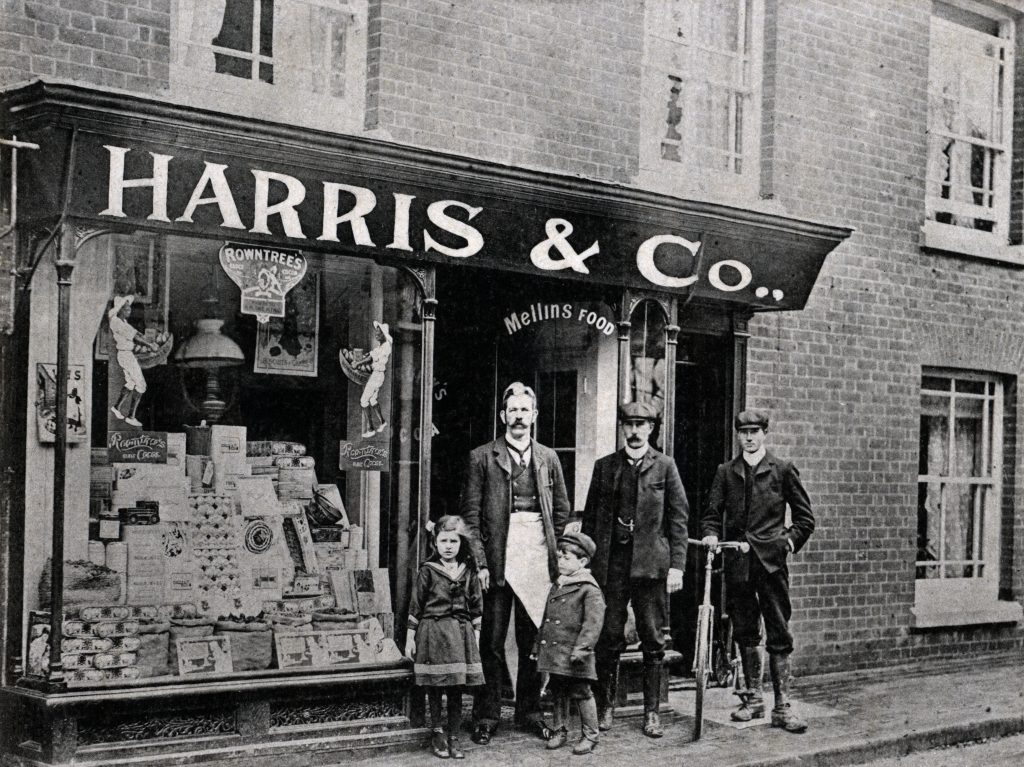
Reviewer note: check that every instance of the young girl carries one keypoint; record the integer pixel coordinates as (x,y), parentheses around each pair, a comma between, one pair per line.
(444,630)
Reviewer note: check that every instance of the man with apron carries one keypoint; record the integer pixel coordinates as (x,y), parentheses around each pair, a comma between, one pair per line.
(515,505)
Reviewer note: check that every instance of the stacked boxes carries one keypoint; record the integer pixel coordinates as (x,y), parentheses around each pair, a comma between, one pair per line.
(101,643)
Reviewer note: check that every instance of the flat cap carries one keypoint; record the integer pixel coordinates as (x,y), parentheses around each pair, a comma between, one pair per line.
(637,411)
(751,419)
(582,540)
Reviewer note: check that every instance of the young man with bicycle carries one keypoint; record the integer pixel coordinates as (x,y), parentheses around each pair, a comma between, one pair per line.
(748,503)
(636,514)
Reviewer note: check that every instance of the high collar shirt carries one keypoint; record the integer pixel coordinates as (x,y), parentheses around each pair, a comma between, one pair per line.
(753,459)
(636,455)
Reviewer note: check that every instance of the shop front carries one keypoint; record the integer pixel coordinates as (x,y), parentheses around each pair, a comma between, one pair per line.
(278,346)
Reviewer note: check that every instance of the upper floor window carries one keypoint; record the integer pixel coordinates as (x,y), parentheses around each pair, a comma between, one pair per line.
(702,73)
(272,58)
(970,130)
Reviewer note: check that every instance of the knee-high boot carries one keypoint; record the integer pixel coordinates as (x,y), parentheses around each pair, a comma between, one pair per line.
(605,690)
(782,714)
(752,706)
(652,699)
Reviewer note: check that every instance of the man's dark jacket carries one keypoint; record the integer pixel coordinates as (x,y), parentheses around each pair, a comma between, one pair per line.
(776,483)
(486,503)
(659,535)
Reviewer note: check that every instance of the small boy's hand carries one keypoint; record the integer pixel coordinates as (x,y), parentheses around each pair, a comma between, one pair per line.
(533,656)
(579,656)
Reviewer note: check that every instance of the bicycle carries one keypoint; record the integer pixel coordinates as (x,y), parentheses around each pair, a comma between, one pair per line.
(702,666)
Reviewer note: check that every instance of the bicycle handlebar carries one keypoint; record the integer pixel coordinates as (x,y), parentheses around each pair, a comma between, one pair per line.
(742,546)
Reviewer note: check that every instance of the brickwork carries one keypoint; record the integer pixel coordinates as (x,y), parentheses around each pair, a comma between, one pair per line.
(123,44)
(552,86)
(843,376)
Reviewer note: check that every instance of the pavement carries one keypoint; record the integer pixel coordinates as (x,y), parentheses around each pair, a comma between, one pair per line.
(853,717)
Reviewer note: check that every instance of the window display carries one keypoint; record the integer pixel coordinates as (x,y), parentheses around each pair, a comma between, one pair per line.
(247,478)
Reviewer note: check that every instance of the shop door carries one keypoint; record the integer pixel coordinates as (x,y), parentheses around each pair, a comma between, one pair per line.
(702,440)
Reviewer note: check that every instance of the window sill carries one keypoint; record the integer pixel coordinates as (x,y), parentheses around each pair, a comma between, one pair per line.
(998,612)
(968,242)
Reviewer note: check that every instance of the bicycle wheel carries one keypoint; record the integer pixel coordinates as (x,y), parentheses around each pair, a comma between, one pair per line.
(702,670)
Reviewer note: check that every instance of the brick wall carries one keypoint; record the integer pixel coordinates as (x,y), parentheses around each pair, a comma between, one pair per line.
(122,44)
(842,377)
(550,86)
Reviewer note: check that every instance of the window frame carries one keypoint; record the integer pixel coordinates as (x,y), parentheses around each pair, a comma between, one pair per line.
(283,100)
(694,174)
(936,235)
(948,601)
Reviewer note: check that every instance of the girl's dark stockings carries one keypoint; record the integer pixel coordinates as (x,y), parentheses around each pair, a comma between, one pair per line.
(454,723)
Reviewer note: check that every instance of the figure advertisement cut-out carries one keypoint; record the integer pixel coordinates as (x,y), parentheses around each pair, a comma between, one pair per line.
(126,366)
(370,369)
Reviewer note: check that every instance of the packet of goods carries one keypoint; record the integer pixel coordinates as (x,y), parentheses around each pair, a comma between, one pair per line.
(106,660)
(116,612)
(73,661)
(295,461)
(86,645)
(274,447)
(111,628)
(127,644)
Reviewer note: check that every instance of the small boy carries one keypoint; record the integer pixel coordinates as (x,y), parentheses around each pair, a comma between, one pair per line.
(565,642)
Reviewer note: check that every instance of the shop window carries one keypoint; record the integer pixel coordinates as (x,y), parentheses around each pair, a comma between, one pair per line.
(970,130)
(248,501)
(269,58)
(702,74)
(960,487)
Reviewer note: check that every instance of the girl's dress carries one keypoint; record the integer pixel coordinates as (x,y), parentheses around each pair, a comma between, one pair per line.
(446,608)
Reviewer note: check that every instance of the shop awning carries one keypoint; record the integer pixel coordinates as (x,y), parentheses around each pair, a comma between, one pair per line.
(118,161)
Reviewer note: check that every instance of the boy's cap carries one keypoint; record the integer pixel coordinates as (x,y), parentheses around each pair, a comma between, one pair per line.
(751,419)
(582,540)
(637,411)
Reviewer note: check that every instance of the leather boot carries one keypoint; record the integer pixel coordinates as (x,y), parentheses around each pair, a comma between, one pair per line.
(782,714)
(605,690)
(752,706)
(652,699)
(559,723)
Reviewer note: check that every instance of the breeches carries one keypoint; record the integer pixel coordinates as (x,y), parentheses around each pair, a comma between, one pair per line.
(763,595)
(649,599)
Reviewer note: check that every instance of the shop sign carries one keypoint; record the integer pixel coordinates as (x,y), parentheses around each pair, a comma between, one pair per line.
(264,275)
(377,213)
(540,312)
(137,446)
(364,455)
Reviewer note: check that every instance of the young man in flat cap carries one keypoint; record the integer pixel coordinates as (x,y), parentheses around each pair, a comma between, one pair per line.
(748,502)
(636,514)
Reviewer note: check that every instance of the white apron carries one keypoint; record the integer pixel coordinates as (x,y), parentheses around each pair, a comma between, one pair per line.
(526,562)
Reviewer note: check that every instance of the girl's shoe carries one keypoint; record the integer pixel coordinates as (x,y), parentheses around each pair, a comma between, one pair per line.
(453,748)
(439,744)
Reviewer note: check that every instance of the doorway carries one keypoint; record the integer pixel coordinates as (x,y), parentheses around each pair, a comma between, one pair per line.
(556,337)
